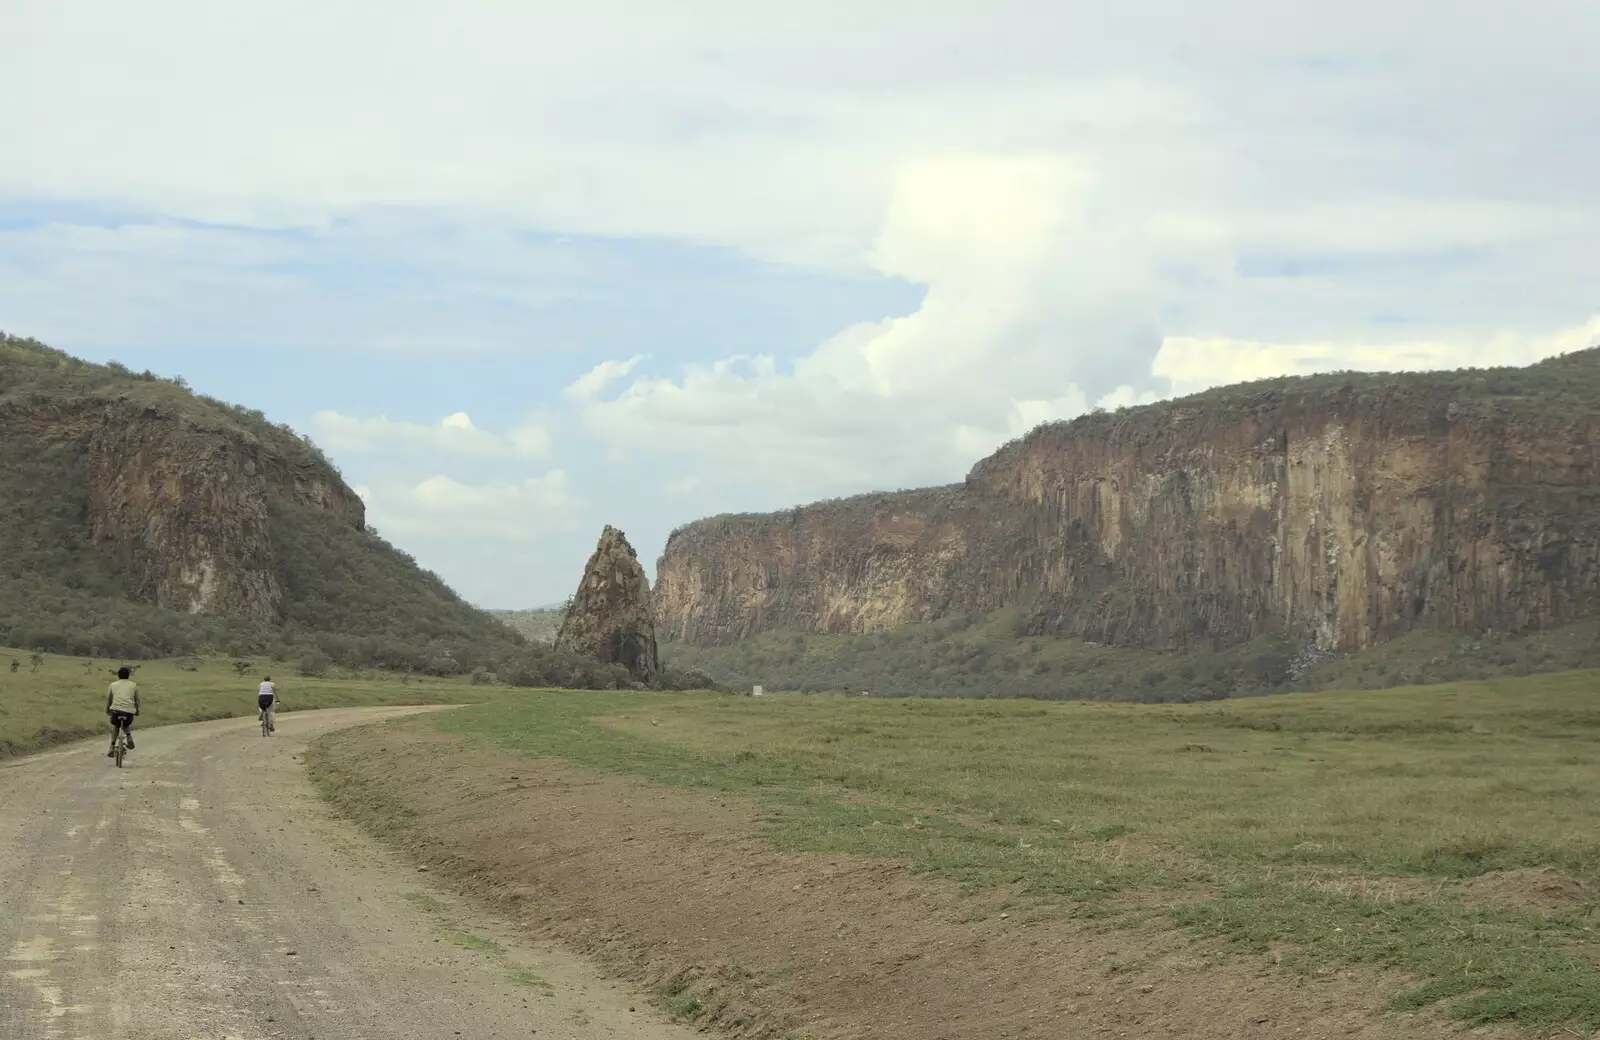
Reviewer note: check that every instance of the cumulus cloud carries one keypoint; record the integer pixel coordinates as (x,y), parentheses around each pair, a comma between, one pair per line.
(601,376)
(918,399)
(1103,203)
(1035,305)
(455,433)
(1192,364)
(441,506)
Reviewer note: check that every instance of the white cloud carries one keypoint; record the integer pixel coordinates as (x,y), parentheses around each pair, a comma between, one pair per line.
(601,376)
(809,430)
(770,140)
(1031,298)
(441,506)
(454,433)
(1193,364)
(1102,201)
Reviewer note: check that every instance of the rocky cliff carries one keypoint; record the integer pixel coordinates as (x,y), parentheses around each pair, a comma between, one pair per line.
(610,619)
(139,518)
(1343,510)
(181,504)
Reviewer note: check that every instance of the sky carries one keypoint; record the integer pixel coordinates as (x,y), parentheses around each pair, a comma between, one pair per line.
(525,269)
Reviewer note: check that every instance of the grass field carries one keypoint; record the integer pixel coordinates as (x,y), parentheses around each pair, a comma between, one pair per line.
(1449,834)
(65,698)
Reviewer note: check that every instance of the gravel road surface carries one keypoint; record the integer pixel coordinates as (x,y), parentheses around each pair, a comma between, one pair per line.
(204,892)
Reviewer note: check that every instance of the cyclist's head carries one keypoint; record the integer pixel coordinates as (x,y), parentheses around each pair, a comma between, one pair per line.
(266,678)
(123,673)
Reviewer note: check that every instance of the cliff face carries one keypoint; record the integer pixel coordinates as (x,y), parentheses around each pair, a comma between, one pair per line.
(855,565)
(181,506)
(1344,510)
(610,618)
(183,509)
(139,520)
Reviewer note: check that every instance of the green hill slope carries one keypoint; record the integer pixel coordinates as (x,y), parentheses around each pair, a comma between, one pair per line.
(539,625)
(138,519)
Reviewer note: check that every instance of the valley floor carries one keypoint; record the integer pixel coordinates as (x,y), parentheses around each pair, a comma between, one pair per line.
(1370,865)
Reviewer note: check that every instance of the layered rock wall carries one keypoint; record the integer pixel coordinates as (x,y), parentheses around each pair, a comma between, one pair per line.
(181,506)
(1344,512)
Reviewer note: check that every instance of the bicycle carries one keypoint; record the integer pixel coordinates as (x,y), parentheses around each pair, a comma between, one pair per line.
(119,744)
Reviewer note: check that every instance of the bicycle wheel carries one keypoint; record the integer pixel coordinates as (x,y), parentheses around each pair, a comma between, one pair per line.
(122,747)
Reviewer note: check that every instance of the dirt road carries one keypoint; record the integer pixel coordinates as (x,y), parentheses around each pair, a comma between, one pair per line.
(204,891)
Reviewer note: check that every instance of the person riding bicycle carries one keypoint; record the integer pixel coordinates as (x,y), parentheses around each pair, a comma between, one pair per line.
(122,704)
(267,701)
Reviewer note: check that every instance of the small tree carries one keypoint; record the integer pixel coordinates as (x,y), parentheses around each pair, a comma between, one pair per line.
(36,659)
(15,664)
(241,668)
(315,664)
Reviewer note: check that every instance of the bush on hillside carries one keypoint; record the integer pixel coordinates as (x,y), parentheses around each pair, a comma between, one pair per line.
(686,679)
(955,657)
(314,664)
(542,665)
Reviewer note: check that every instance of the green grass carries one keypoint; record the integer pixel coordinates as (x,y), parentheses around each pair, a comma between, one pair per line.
(424,902)
(65,699)
(1338,827)
(682,1004)
(476,943)
(530,979)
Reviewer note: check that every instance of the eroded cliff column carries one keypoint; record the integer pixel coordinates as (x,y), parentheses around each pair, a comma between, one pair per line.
(611,618)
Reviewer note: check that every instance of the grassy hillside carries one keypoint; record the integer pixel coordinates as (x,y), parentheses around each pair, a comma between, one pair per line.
(350,597)
(32,372)
(1445,837)
(537,626)
(55,699)
(985,657)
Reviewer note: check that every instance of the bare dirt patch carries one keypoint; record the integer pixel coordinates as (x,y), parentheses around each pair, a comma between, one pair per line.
(1532,889)
(676,889)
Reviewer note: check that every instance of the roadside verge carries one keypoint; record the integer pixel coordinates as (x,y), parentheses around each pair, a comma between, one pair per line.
(678,890)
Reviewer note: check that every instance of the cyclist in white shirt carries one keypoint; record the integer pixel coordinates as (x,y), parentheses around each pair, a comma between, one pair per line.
(267,701)
(122,704)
